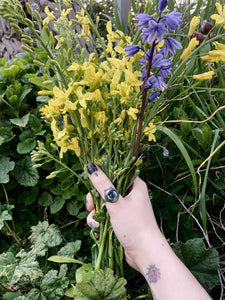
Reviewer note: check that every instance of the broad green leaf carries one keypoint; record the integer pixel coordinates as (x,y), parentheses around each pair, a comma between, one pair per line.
(26,146)
(197,133)
(25,173)
(22,122)
(6,135)
(11,295)
(16,271)
(84,273)
(54,284)
(100,284)
(46,234)
(35,123)
(202,262)
(57,205)
(4,213)
(45,199)
(64,260)
(72,208)
(5,167)
(70,249)
(11,71)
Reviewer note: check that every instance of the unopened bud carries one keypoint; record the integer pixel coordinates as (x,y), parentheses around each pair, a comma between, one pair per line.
(212,35)
(206,27)
(199,36)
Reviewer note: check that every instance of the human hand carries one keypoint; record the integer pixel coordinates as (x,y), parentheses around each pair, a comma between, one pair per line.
(132,217)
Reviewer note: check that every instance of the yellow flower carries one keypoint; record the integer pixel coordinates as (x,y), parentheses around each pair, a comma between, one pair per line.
(149,131)
(101,117)
(44,93)
(219,18)
(194,23)
(74,145)
(204,76)
(193,43)
(214,56)
(219,46)
(83,119)
(50,16)
(85,22)
(132,113)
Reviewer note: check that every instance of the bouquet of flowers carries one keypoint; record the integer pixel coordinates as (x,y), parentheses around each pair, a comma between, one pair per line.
(102,107)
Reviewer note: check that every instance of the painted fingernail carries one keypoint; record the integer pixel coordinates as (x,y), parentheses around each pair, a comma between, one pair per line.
(92,225)
(91,168)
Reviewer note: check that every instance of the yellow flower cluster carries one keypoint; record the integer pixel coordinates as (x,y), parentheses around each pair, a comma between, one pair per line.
(85,22)
(99,105)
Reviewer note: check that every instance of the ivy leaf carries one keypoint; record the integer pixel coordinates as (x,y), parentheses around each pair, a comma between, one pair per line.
(26,146)
(21,122)
(4,213)
(70,249)
(202,262)
(16,271)
(99,284)
(25,173)
(5,167)
(57,205)
(6,135)
(46,234)
(54,284)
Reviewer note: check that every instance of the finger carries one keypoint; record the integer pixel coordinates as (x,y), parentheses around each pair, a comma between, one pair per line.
(89,202)
(101,182)
(90,221)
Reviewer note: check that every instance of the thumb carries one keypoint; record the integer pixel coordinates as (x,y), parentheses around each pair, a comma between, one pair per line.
(104,186)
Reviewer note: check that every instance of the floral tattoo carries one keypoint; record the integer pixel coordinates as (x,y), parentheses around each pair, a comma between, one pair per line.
(153,274)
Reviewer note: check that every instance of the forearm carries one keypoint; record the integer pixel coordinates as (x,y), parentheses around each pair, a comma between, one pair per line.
(166,275)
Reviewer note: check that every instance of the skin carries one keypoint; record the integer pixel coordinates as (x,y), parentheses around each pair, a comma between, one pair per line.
(145,248)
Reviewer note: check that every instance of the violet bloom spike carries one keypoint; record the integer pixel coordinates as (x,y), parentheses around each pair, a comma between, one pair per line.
(162,5)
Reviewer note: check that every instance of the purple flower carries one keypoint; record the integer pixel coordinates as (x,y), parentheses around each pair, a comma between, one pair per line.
(131,50)
(172,20)
(155,31)
(153,96)
(143,20)
(162,5)
(155,82)
(165,152)
(166,68)
(171,45)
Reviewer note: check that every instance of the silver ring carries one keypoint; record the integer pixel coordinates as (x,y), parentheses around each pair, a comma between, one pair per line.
(111,195)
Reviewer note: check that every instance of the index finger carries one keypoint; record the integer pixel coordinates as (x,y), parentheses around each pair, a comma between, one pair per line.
(101,182)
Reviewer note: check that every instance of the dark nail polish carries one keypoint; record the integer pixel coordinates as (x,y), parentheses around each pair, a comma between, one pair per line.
(91,168)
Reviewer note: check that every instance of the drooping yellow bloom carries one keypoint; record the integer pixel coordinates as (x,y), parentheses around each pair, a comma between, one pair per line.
(149,131)
(132,113)
(193,43)
(194,23)
(50,16)
(204,76)
(83,119)
(44,93)
(219,18)
(214,56)
(74,146)
(85,23)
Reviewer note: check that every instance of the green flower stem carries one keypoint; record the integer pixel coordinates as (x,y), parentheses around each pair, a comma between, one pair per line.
(12,233)
(110,248)
(102,243)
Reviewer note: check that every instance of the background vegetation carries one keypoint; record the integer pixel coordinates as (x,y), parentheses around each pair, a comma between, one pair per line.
(42,210)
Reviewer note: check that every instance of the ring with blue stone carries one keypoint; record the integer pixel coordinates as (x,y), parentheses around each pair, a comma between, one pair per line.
(111,195)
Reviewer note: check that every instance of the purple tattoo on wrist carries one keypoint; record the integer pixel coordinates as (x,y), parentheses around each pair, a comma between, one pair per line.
(153,274)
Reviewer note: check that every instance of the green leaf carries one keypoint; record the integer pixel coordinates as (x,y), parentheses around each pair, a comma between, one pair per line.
(5,167)
(54,284)
(17,271)
(70,249)
(100,284)
(26,146)
(4,213)
(57,205)
(46,234)
(202,262)
(72,208)
(25,173)
(197,133)
(64,260)
(184,152)
(6,135)
(11,71)
(22,122)
(45,199)
(35,123)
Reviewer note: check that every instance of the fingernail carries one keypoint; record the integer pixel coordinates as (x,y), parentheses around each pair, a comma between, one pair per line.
(91,168)
(92,225)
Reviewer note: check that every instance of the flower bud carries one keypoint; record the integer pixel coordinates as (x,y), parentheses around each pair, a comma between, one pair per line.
(212,35)
(206,27)
(199,36)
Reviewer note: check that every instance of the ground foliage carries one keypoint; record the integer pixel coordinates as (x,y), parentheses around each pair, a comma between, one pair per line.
(44,235)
